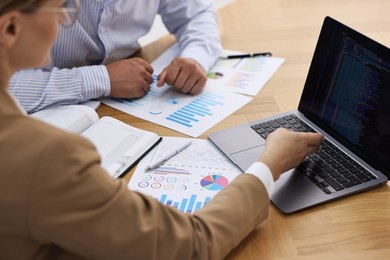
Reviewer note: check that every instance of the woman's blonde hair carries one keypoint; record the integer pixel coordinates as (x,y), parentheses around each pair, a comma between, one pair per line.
(20,5)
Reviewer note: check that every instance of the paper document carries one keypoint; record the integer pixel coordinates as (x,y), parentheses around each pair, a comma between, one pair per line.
(72,118)
(193,115)
(245,75)
(188,114)
(188,180)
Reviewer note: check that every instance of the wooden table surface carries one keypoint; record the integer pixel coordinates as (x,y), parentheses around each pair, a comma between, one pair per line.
(356,227)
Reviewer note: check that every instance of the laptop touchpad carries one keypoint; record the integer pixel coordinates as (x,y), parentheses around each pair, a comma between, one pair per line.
(245,158)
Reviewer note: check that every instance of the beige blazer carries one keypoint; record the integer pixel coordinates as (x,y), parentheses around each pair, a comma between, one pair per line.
(56,202)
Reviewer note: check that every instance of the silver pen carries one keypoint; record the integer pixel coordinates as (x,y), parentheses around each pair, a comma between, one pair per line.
(166,158)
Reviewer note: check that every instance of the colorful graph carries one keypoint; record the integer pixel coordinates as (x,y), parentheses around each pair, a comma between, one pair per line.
(214,75)
(214,182)
(186,205)
(188,114)
(246,76)
(203,105)
(200,107)
(157,182)
(187,181)
(241,79)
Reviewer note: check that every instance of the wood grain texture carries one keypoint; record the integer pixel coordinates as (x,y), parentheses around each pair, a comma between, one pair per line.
(356,227)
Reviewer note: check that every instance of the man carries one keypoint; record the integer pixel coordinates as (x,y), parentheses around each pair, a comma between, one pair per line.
(92,57)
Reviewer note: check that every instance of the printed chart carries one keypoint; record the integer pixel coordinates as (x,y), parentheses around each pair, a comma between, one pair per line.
(188,114)
(214,182)
(186,205)
(245,75)
(187,181)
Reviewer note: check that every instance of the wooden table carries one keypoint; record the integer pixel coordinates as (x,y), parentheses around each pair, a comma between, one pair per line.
(356,227)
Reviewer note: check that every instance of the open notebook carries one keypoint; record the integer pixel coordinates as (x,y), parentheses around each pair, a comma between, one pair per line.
(119,145)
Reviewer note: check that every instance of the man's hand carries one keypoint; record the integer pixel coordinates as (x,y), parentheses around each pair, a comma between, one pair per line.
(285,149)
(185,75)
(130,78)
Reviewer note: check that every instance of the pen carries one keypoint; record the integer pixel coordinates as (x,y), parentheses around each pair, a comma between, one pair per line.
(247,55)
(166,158)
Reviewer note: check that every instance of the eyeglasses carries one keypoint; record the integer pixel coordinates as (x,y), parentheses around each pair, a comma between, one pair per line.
(71,8)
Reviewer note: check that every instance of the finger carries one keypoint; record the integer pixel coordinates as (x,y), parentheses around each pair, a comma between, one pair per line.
(172,72)
(194,78)
(180,82)
(314,138)
(145,87)
(186,78)
(193,89)
(143,63)
(187,85)
(282,129)
(138,93)
(314,141)
(198,86)
(161,78)
(313,148)
(149,78)
(190,83)
(149,68)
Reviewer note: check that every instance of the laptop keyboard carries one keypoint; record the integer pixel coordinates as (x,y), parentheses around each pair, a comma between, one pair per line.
(329,168)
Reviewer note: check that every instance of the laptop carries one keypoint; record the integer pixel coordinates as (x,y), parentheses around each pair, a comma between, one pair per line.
(346,97)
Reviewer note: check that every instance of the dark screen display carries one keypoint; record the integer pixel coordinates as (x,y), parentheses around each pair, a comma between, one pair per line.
(348,92)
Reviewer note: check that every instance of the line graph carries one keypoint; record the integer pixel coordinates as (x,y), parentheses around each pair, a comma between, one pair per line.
(198,155)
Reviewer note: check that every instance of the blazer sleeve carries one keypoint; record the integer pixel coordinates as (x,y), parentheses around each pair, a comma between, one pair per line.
(78,207)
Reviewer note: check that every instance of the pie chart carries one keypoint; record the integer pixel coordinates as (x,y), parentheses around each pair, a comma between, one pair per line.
(214,182)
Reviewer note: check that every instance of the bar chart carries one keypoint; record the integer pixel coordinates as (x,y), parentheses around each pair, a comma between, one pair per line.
(188,204)
(188,114)
(201,106)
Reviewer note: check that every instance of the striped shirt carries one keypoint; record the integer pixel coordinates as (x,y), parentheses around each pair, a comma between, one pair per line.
(108,30)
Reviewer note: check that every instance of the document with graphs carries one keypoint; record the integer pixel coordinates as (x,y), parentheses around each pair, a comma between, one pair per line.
(188,180)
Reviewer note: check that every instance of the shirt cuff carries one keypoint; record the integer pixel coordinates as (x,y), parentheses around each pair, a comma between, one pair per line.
(206,61)
(263,173)
(96,81)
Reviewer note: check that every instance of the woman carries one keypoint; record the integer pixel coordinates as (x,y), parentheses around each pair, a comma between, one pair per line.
(57,202)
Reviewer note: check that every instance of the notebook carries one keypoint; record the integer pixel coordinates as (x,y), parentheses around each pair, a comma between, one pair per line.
(345,97)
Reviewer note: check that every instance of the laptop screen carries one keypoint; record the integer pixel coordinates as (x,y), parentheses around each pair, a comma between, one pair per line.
(347,92)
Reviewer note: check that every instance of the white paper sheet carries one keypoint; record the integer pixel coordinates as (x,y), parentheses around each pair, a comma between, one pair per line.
(193,115)
(188,180)
(188,114)
(245,76)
